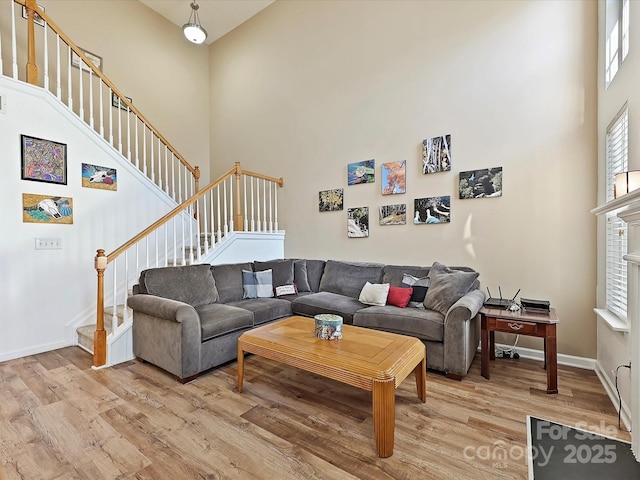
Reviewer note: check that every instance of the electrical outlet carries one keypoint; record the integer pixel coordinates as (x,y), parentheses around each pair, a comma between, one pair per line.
(48,244)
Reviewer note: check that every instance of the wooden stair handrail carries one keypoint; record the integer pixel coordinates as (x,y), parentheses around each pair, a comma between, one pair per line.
(32,76)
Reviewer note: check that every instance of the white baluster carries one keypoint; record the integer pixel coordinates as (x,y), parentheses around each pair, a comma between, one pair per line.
(14,51)
(173,175)
(173,222)
(213,220)
(81,94)
(270,209)
(114,296)
(144,148)
(219,217)
(160,164)
(125,293)
(110,118)
(246,219)
(204,223)
(183,242)
(275,197)
(91,99)
(46,58)
(231,202)
(153,163)
(128,134)
(165,227)
(253,223)
(101,111)
(58,69)
(155,238)
(224,199)
(137,143)
(119,125)
(264,205)
(179,182)
(69,90)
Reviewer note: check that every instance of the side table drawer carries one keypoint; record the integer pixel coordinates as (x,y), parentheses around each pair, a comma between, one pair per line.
(511,326)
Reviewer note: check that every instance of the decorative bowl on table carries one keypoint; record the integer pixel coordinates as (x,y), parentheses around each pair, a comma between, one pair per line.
(328,326)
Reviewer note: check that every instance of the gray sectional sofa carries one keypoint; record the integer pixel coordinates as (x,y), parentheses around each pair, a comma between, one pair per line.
(188,319)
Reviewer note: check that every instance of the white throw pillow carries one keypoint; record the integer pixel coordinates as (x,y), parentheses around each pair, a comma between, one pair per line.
(374,293)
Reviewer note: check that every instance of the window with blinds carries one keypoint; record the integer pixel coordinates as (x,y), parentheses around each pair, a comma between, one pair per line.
(616,231)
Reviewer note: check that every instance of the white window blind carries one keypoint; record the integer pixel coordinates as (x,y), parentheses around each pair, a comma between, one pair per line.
(616,231)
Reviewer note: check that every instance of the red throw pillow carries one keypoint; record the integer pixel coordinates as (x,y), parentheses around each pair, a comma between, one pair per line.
(399,296)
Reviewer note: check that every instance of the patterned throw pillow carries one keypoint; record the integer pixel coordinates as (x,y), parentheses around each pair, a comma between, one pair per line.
(257,284)
(420,287)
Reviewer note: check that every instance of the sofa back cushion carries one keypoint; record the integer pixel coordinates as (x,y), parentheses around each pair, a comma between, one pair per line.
(228,279)
(281,271)
(348,278)
(315,269)
(192,284)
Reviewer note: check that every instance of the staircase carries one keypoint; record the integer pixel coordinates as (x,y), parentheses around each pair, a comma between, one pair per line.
(204,224)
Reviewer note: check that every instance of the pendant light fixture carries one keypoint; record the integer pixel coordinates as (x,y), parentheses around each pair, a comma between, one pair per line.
(193,31)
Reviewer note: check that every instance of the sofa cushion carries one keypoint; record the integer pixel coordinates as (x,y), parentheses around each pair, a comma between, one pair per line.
(257,284)
(393,273)
(423,324)
(192,284)
(399,296)
(229,280)
(347,278)
(374,293)
(300,276)
(447,286)
(265,309)
(282,271)
(217,319)
(315,270)
(327,302)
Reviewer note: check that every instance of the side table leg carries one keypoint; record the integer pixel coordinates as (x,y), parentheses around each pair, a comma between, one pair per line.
(384,415)
(484,347)
(551,358)
(240,367)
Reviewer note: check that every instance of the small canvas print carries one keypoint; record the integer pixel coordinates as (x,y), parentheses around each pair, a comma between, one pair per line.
(394,177)
(361,172)
(95,176)
(432,210)
(46,209)
(358,222)
(436,154)
(393,214)
(481,183)
(331,200)
(116,101)
(43,160)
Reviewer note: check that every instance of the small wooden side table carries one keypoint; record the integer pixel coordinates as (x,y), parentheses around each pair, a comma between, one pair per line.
(524,322)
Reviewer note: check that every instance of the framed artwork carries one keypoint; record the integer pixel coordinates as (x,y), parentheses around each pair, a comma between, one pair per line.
(436,154)
(394,177)
(358,222)
(46,209)
(393,214)
(116,101)
(432,210)
(331,200)
(483,183)
(361,172)
(43,160)
(37,19)
(93,58)
(95,176)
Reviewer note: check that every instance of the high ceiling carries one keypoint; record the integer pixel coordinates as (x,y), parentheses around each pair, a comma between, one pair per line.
(216,16)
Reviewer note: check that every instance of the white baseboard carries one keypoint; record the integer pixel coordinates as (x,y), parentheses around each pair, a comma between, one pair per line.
(613,395)
(33,350)
(563,359)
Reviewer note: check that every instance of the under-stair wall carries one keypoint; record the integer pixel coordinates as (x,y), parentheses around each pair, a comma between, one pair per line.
(45,293)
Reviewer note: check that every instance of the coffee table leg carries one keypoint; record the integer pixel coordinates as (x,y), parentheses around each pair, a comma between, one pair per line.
(421,379)
(240,367)
(384,415)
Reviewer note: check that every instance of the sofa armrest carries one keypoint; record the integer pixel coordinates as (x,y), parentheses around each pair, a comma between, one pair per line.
(164,308)
(461,333)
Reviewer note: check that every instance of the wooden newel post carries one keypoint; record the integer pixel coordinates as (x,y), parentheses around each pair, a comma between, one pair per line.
(239,220)
(100,335)
(32,68)
(196,177)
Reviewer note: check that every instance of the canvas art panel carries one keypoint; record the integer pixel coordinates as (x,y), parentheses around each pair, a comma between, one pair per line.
(361,172)
(393,214)
(46,209)
(103,178)
(483,183)
(358,222)
(118,102)
(43,160)
(331,200)
(394,177)
(432,210)
(436,154)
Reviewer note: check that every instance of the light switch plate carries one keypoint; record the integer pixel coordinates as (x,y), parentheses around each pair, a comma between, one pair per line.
(48,244)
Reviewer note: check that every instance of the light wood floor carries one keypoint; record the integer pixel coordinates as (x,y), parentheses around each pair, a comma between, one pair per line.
(59,419)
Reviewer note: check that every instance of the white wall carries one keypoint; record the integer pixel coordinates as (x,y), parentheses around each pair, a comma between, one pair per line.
(304,88)
(613,347)
(41,291)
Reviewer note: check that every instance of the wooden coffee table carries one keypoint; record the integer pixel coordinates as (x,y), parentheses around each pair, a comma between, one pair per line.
(368,359)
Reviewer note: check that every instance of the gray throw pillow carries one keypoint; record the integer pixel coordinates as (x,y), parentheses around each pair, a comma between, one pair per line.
(282,270)
(300,276)
(447,287)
